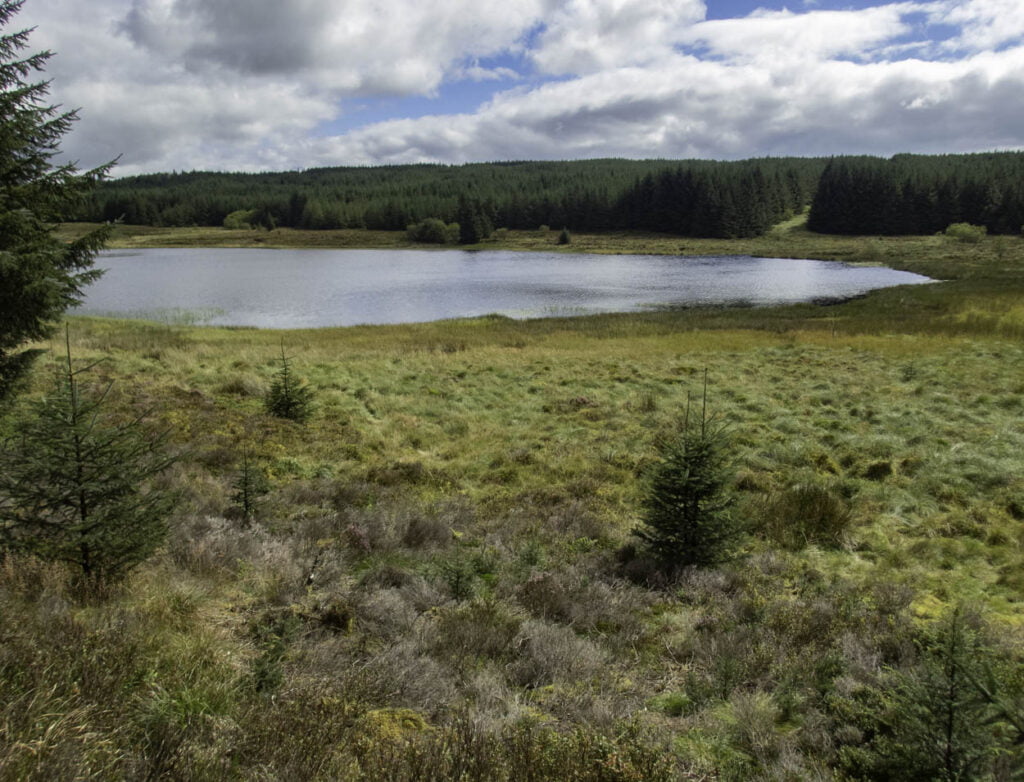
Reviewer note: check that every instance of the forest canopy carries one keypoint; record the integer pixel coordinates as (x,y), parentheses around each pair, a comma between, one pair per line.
(687,197)
(920,194)
(907,194)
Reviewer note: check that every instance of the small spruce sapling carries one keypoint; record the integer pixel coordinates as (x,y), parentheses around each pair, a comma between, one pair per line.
(250,486)
(78,485)
(687,510)
(288,397)
(948,717)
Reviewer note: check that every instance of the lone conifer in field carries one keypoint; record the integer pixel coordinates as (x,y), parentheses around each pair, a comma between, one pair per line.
(77,486)
(687,519)
(288,397)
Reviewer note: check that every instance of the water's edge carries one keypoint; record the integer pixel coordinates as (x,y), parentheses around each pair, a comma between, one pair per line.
(312,288)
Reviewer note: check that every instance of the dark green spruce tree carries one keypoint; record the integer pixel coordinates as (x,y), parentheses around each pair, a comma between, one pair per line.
(687,520)
(954,715)
(475,224)
(40,277)
(250,486)
(78,485)
(288,397)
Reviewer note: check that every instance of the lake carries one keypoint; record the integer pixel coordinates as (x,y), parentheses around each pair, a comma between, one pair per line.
(310,288)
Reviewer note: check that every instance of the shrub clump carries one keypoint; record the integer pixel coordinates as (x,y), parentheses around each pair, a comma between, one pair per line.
(240,219)
(966,233)
(433,231)
(806,514)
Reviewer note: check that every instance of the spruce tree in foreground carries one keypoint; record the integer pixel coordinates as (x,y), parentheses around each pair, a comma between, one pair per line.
(40,276)
(288,397)
(687,519)
(77,485)
(953,715)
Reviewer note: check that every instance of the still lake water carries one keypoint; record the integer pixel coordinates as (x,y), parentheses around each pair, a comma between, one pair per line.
(308,288)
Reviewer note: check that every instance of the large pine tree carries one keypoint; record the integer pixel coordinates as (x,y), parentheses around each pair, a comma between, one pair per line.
(40,277)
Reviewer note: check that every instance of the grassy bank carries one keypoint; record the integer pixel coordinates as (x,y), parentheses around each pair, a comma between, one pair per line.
(439,581)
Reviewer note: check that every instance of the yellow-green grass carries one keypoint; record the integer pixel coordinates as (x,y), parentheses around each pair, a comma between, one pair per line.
(924,430)
(442,540)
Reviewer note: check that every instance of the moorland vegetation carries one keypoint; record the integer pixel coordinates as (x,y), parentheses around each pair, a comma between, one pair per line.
(436,576)
(488,549)
(437,573)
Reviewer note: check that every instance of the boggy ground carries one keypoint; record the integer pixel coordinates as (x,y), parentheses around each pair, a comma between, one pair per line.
(439,582)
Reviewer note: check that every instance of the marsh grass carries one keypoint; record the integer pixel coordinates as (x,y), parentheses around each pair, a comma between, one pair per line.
(430,585)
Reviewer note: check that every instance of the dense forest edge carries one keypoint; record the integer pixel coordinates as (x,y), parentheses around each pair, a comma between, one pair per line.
(904,195)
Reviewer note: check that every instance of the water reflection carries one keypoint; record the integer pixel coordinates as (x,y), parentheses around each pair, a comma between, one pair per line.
(307,288)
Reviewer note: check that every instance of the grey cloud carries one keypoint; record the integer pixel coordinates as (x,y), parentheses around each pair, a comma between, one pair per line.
(247,84)
(350,46)
(249,36)
(622,115)
(259,36)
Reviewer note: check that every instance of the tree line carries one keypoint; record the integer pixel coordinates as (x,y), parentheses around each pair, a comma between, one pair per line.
(697,198)
(920,194)
(905,194)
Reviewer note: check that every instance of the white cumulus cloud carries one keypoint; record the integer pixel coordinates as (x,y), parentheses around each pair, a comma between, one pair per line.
(257,84)
(983,24)
(582,36)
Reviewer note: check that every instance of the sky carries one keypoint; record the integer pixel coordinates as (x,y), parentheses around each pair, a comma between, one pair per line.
(258,85)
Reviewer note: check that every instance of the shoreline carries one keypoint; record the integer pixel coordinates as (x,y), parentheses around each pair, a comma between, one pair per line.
(938,257)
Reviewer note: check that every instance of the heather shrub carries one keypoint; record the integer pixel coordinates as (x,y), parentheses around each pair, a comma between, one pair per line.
(547,653)
(423,531)
(479,630)
(806,514)
(384,613)
(524,750)
(586,604)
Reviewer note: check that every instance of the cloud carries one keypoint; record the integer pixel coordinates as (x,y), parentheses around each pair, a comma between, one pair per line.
(363,47)
(253,84)
(782,37)
(581,36)
(983,24)
(685,107)
(477,73)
